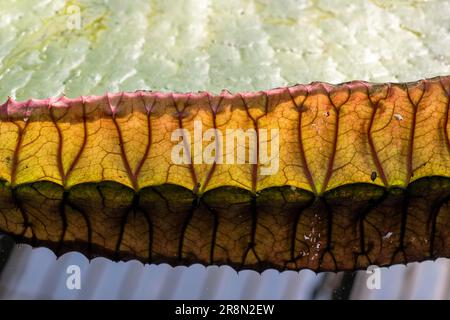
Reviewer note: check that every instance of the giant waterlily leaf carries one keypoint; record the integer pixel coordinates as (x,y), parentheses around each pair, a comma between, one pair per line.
(355,174)
(358,174)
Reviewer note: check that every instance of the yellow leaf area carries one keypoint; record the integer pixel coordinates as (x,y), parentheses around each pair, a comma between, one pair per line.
(329,136)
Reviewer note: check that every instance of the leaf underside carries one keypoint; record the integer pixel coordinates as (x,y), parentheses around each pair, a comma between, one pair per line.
(364,177)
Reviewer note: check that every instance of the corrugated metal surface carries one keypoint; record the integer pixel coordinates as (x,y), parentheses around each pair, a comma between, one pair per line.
(36,274)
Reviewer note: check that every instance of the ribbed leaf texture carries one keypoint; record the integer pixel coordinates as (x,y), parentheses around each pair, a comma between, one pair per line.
(363,177)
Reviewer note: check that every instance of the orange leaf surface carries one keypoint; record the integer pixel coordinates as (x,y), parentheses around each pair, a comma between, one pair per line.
(362,176)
